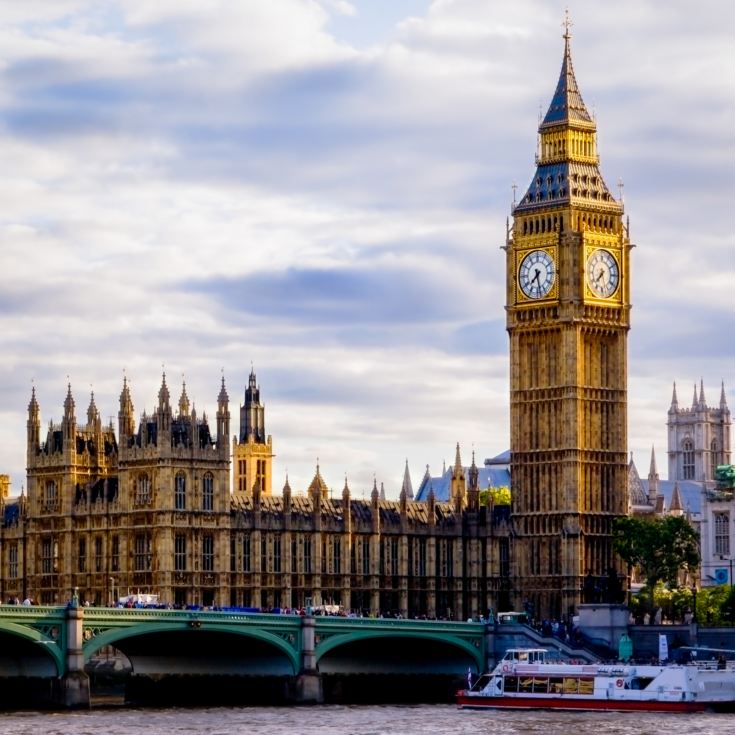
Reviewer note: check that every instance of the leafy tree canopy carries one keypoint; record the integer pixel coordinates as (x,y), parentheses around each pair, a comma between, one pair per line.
(499,495)
(660,547)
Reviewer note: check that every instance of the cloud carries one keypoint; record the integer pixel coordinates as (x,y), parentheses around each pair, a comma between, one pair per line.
(322,188)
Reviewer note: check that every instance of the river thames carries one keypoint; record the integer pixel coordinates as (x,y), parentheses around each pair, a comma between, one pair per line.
(356,720)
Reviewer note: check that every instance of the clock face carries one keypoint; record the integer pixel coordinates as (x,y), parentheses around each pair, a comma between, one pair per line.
(603,273)
(536,274)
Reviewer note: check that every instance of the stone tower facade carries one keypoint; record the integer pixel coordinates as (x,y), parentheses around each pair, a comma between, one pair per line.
(568,305)
(149,513)
(252,450)
(698,437)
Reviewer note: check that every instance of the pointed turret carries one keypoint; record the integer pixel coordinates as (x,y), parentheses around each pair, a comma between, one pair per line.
(652,477)
(723,398)
(695,398)
(69,422)
(287,497)
(674,401)
(567,170)
(473,491)
(382,491)
(252,413)
(93,414)
(458,462)
(164,397)
(33,426)
(183,401)
(223,418)
(346,492)
(676,507)
(69,404)
(702,401)
(457,485)
(163,413)
(407,487)
(318,489)
(567,105)
(126,414)
(375,495)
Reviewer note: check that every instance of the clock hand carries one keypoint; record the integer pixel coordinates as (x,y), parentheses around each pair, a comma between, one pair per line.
(537,276)
(600,274)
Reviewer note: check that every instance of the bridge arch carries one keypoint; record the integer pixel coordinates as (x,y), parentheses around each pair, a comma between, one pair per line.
(467,651)
(33,642)
(221,637)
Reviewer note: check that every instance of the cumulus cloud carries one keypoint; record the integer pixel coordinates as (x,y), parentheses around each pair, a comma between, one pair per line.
(321,188)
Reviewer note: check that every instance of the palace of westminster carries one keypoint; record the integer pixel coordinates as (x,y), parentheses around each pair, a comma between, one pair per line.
(151,508)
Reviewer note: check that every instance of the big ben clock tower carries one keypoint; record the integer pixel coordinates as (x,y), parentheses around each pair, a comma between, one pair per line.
(568,315)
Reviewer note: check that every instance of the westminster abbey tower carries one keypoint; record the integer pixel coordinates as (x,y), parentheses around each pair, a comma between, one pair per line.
(568,306)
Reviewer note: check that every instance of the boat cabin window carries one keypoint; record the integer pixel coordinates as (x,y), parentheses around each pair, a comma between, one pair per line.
(526,656)
(549,684)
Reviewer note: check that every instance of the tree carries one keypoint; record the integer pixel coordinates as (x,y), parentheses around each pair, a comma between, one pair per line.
(661,548)
(500,495)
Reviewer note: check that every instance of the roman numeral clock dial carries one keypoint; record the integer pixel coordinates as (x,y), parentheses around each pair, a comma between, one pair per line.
(536,274)
(603,273)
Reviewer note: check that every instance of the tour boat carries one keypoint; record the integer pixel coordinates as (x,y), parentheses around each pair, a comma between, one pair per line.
(527,678)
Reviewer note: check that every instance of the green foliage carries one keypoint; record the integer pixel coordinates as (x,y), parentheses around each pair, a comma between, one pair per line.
(715,605)
(499,495)
(660,548)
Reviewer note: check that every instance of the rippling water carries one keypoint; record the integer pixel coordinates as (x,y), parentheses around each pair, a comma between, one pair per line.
(357,720)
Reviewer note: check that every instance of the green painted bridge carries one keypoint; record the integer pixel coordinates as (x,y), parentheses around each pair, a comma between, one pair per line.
(57,642)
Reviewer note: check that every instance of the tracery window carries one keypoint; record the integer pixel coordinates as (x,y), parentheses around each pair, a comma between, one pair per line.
(180,552)
(82,555)
(13,561)
(687,464)
(180,491)
(208,492)
(208,553)
(722,534)
(142,553)
(50,497)
(143,489)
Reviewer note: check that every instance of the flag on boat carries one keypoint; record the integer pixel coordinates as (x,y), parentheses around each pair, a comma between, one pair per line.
(663,647)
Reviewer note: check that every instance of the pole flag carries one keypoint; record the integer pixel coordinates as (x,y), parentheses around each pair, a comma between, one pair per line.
(663,648)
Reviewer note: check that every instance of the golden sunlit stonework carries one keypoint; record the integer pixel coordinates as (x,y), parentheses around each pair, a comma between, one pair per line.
(151,508)
(568,304)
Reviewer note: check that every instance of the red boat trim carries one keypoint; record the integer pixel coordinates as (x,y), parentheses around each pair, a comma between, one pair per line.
(616,705)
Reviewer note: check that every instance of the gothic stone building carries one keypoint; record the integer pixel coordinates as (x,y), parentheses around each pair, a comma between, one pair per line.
(568,308)
(150,510)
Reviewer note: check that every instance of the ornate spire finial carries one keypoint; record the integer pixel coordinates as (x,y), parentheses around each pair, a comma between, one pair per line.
(723,399)
(653,471)
(457,461)
(567,24)
(674,399)
(701,392)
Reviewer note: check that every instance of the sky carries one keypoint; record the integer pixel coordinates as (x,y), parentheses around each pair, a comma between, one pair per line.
(319,189)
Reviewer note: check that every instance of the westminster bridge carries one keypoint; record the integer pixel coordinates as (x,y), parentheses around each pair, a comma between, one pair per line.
(53,645)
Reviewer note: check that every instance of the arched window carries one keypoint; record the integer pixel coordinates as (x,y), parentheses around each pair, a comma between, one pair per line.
(687,460)
(143,489)
(50,497)
(208,491)
(722,534)
(180,492)
(714,457)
